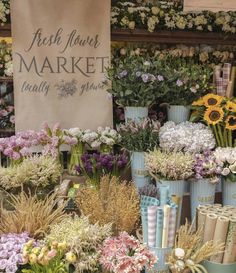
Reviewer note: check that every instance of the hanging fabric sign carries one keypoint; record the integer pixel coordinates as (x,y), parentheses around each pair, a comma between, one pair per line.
(60,53)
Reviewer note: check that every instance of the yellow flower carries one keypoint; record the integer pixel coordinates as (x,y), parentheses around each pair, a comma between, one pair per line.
(213,115)
(199,102)
(230,123)
(231,106)
(62,245)
(36,250)
(71,257)
(212,100)
(32,258)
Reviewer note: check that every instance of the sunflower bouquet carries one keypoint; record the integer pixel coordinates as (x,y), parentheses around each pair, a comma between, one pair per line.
(219,113)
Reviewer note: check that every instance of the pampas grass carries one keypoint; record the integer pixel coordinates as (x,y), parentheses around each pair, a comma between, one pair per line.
(115,202)
(31,215)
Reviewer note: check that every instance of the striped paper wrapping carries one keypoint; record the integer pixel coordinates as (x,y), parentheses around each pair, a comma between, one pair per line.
(172,226)
(217,72)
(164,194)
(226,73)
(144,218)
(159,226)
(220,87)
(152,215)
(165,226)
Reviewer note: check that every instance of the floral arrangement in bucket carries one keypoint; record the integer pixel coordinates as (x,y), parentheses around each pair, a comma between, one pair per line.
(126,254)
(83,239)
(11,246)
(103,139)
(128,15)
(226,159)
(187,137)
(219,114)
(139,137)
(189,251)
(6,67)
(94,166)
(206,176)
(169,165)
(188,81)
(4,11)
(7,116)
(135,81)
(52,257)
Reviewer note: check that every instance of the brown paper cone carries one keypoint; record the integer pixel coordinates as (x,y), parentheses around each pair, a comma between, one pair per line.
(220,235)
(230,248)
(209,228)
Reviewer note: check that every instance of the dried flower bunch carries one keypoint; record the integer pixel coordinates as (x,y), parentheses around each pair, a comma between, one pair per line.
(36,171)
(169,165)
(31,215)
(114,202)
(84,240)
(186,136)
(140,137)
(10,251)
(226,159)
(126,254)
(150,190)
(189,250)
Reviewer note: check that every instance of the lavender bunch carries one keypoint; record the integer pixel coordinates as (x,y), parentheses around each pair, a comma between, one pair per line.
(205,166)
(149,190)
(94,166)
(11,246)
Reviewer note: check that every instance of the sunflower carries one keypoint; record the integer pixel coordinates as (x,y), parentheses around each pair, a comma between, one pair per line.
(230,122)
(212,100)
(230,106)
(213,115)
(199,102)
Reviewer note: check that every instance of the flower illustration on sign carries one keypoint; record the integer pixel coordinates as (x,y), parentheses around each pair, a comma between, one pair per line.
(66,88)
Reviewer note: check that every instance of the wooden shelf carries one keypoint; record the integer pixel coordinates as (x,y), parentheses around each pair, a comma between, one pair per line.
(162,36)
(5,31)
(6,79)
(172,37)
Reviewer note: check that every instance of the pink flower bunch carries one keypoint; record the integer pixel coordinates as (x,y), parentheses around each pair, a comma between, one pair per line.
(126,254)
(18,146)
(53,138)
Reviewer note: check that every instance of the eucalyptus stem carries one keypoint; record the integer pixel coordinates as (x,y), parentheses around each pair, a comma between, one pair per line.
(216,136)
(221,135)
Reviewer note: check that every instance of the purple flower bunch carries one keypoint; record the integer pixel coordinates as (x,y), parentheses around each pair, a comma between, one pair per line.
(11,246)
(95,165)
(205,166)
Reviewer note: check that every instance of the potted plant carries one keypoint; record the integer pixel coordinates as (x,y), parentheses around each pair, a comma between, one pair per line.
(187,82)
(135,83)
(170,169)
(218,113)
(206,176)
(139,138)
(226,158)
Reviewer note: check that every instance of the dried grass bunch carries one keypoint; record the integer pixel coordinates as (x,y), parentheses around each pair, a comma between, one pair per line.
(37,171)
(115,202)
(190,251)
(84,239)
(31,215)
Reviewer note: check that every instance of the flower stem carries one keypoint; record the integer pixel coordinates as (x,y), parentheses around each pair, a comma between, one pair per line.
(230,138)
(221,135)
(226,138)
(216,136)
